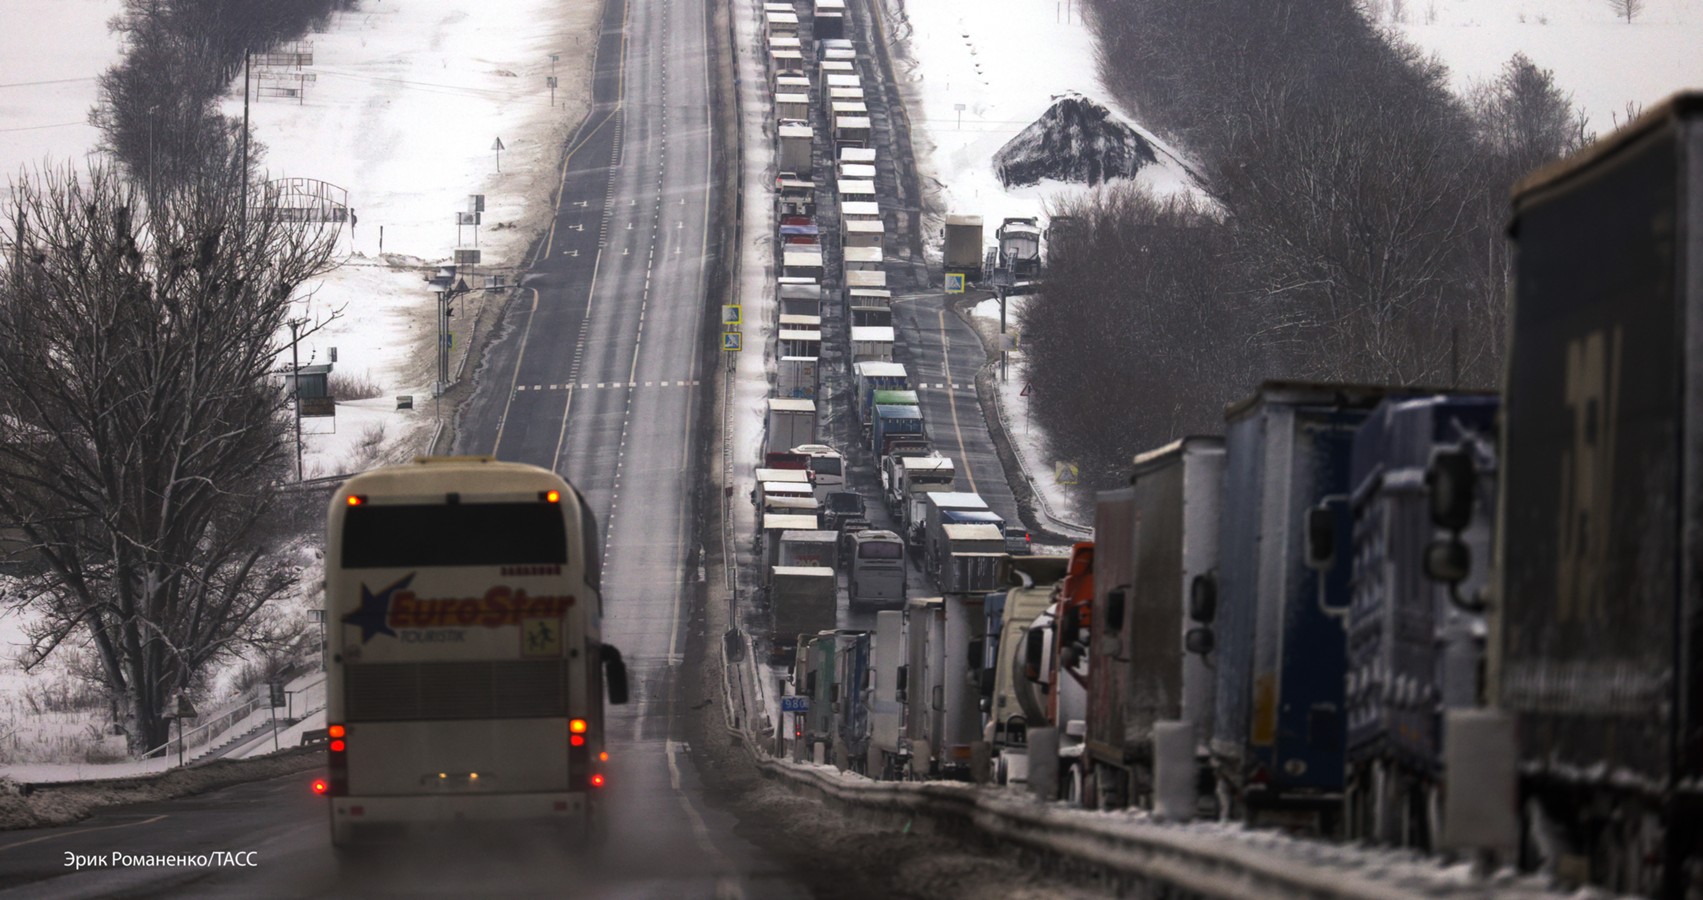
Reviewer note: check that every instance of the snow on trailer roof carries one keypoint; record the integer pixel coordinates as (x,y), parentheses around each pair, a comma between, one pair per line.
(838,66)
(864,155)
(958,219)
(855,187)
(810,537)
(862,254)
(866,278)
(841,79)
(798,334)
(783,18)
(817,571)
(957,500)
(872,333)
(800,322)
(790,522)
(789,404)
(880,369)
(979,531)
(789,487)
(782,97)
(784,42)
(792,81)
(854,210)
(796,476)
(925,463)
(851,123)
(845,92)
(794,131)
(865,226)
(861,171)
(800,503)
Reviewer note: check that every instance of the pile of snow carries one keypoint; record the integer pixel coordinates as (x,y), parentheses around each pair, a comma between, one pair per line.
(1076,140)
(1605,62)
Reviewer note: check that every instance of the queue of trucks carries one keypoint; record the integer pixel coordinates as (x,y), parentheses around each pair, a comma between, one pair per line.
(1407,615)
(800,494)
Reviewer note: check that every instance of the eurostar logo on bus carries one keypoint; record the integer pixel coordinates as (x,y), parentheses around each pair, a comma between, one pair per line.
(395,606)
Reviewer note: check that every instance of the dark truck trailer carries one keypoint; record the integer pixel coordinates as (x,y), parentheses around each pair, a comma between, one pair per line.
(1277,737)
(1413,653)
(1155,541)
(1595,648)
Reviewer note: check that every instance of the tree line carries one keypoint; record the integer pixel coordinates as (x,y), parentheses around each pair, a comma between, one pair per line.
(1353,230)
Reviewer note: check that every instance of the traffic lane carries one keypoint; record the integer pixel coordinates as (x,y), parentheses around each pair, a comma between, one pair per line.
(940,350)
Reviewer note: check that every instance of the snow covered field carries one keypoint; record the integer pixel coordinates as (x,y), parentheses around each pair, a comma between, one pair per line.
(1602,60)
(50,54)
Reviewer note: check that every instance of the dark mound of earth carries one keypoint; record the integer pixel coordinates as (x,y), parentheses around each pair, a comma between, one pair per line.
(1075,140)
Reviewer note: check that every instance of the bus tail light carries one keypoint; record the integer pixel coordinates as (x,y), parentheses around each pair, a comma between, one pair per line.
(597,780)
(577,726)
(337,762)
(320,786)
(579,755)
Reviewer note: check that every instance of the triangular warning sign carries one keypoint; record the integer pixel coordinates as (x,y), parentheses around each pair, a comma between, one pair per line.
(1026,389)
(498,144)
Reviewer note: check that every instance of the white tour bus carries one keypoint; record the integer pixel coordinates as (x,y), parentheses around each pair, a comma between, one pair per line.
(465,672)
(877,570)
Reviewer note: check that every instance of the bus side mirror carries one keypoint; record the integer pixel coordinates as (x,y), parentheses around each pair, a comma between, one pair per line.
(1199,641)
(614,674)
(1203,598)
(1115,600)
(899,683)
(1451,480)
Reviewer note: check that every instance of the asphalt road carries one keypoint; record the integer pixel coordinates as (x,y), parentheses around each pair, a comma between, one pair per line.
(592,374)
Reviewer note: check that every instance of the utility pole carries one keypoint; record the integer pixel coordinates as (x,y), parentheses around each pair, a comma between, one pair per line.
(296,388)
(1004,354)
(242,220)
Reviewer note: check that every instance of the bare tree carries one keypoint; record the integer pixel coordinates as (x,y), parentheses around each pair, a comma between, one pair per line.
(141,432)
(1627,9)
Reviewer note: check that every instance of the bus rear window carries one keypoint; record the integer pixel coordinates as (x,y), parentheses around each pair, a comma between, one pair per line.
(826,465)
(880,550)
(454,534)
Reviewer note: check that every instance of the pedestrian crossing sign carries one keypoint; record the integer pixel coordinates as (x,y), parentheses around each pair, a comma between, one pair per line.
(730,340)
(954,282)
(730,314)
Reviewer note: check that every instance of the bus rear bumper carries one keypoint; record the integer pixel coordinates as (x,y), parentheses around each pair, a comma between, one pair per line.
(359,817)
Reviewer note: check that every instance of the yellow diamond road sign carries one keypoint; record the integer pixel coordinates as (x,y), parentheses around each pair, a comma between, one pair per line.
(954,282)
(730,340)
(1064,472)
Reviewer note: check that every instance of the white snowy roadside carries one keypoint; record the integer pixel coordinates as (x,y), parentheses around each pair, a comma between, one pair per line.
(407,104)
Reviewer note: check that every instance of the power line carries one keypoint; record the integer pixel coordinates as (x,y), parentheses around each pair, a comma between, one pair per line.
(41,127)
(54,81)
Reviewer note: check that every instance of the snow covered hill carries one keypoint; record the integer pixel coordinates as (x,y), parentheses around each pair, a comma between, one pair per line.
(1604,61)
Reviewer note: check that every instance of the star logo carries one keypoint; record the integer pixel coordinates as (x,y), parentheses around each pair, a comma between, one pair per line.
(374,613)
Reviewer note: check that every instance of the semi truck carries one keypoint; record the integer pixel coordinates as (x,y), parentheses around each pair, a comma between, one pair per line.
(802,601)
(963,246)
(1596,652)
(1156,545)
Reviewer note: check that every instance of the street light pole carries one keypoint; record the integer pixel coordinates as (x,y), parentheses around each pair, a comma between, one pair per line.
(296,388)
